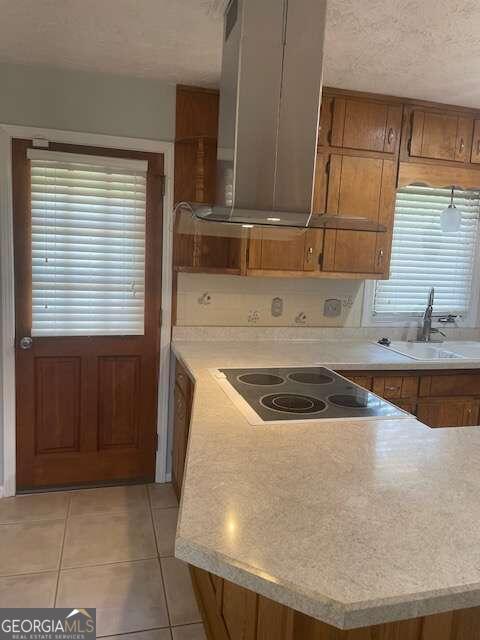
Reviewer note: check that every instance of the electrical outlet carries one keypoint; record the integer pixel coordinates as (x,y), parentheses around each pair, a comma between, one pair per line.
(277,307)
(253,316)
(332,308)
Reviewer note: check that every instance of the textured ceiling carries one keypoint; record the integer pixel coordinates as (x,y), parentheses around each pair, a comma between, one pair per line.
(420,48)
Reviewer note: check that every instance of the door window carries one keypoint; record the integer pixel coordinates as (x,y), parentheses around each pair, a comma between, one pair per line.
(88,244)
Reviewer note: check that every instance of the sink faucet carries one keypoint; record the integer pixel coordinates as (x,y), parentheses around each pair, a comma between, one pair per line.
(426,329)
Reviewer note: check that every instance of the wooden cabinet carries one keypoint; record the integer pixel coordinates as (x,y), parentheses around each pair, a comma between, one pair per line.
(395,387)
(231,612)
(365,187)
(441,135)
(183,392)
(448,412)
(450,384)
(355,123)
(475,155)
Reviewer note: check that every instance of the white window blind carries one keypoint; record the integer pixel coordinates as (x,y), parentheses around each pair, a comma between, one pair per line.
(424,256)
(88,244)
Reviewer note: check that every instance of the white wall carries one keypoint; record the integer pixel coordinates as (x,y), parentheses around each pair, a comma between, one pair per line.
(229,301)
(87,102)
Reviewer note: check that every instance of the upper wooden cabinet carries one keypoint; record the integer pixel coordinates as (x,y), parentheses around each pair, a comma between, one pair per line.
(440,135)
(366,125)
(475,155)
(365,187)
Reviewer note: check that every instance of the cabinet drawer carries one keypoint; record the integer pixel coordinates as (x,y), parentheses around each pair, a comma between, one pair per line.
(450,385)
(181,378)
(362,381)
(395,386)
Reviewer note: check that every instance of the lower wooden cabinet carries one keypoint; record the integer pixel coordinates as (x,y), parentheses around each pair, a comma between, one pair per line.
(448,412)
(231,612)
(183,393)
(438,399)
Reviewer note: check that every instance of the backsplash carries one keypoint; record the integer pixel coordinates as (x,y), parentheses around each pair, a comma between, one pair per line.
(234,301)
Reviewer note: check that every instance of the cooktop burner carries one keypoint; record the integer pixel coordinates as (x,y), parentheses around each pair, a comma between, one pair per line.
(292,403)
(262,379)
(269,395)
(310,377)
(348,400)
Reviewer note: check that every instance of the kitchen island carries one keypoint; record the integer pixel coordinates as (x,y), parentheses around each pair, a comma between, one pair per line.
(302,529)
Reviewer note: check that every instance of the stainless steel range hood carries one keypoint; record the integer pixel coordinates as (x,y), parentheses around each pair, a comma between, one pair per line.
(270,96)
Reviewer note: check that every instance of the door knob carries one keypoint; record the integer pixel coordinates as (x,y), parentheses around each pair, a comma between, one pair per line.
(26,343)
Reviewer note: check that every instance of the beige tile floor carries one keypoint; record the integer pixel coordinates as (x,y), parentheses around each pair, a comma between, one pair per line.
(109,548)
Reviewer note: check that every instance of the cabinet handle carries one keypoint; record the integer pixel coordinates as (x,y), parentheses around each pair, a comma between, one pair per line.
(388,388)
(391,135)
(380,258)
(309,253)
(462,145)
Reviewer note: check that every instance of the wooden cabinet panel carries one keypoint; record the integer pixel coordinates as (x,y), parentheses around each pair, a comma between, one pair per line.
(365,125)
(238,609)
(457,384)
(441,136)
(119,401)
(448,412)
(365,187)
(362,381)
(269,254)
(395,386)
(57,404)
(475,155)
(182,398)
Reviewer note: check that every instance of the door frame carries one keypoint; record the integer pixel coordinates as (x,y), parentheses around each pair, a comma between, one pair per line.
(7,291)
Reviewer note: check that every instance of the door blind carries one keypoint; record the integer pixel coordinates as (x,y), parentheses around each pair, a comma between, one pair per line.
(424,256)
(88,244)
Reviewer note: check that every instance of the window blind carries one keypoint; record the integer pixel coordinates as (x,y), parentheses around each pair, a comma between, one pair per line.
(424,256)
(88,244)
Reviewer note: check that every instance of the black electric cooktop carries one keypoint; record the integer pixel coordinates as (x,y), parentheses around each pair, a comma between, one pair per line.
(304,393)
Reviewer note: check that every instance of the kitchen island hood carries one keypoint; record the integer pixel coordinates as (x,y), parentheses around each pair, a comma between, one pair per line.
(270,94)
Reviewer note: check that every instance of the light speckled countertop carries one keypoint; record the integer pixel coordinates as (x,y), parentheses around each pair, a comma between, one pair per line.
(354,523)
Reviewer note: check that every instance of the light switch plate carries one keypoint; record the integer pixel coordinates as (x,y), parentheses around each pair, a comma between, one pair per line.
(332,308)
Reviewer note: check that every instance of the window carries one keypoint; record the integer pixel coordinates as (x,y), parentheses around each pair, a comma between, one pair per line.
(424,256)
(88,244)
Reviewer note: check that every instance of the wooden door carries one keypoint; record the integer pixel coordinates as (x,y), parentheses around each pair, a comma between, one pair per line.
(365,125)
(365,187)
(86,404)
(448,412)
(441,135)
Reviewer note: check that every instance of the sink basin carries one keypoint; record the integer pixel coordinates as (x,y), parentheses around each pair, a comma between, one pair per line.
(427,351)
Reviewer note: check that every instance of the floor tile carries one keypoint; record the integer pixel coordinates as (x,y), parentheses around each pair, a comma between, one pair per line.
(30,547)
(128,596)
(189,632)
(41,506)
(162,496)
(165,527)
(109,500)
(36,590)
(152,634)
(182,605)
(106,538)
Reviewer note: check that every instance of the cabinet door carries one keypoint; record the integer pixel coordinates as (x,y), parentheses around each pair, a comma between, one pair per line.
(475,156)
(180,437)
(364,187)
(441,136)
(272,250)
(391,387)
(448,412)
(365,125)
